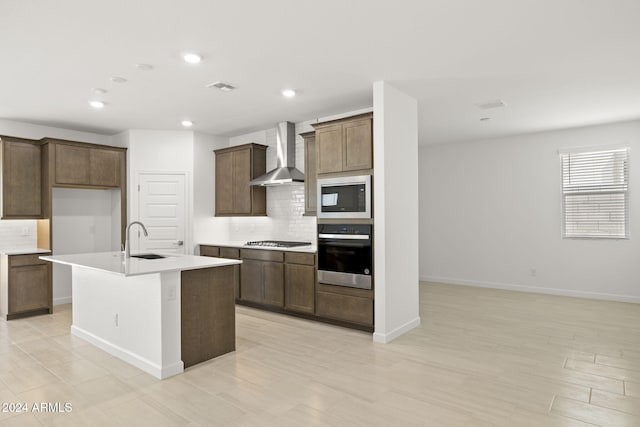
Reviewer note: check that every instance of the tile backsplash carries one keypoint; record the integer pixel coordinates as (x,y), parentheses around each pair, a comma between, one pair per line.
(18,234)
(285,220)
(285,203)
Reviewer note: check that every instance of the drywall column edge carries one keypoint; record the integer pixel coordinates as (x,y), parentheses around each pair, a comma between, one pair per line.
(395,136)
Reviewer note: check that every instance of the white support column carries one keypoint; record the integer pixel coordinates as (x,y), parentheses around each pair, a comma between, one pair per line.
(395,140)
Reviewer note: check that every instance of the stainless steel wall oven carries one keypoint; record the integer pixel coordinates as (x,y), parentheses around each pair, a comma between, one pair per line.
(345,255)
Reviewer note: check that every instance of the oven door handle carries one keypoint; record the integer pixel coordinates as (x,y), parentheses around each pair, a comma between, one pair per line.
(344,236)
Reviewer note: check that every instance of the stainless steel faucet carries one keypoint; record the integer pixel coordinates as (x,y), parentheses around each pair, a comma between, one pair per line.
(127,245)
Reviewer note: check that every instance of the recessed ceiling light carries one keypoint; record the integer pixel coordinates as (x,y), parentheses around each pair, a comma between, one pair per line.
(289,93)
(144,67)
(225,87)
(97,104)
(192,58)
(99,91)
(118,79)
(187,123)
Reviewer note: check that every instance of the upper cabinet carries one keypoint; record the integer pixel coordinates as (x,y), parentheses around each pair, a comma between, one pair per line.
(77,165)
(21,178)
(235,167)
(310,174)
(344,145)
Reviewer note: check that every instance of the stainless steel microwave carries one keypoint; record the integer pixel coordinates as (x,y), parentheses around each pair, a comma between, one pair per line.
(344,197)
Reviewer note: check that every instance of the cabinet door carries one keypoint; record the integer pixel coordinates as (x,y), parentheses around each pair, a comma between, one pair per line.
(224,184)
(299,287)
(329,149)
(104,167)
(273,274)
(72,165)
(251,281)
(358,145)
(212,251)
(22,183)
(29,288)
(310,176)
(241,178)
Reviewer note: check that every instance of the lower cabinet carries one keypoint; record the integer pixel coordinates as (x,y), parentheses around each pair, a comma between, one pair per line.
(262,277)
(345,304)
(25,286)
(300,282)
(286,282)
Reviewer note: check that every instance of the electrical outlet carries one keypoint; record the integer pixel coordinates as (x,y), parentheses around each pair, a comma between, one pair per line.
(533,272)
(115,319)
(171,293)
(25,231)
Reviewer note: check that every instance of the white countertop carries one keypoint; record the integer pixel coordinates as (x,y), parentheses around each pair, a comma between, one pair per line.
(114,262)
(24,251)
(243,245)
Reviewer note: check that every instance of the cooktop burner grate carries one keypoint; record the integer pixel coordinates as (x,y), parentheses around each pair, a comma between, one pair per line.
(277,243)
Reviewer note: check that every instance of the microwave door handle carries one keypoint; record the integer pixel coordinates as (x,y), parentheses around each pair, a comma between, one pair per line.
(344,236)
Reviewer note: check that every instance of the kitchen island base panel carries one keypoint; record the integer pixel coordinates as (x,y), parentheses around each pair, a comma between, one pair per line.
(208,313)
(136,318)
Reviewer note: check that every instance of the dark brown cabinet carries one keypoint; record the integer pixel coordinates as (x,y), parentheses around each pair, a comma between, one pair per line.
(235,167)
(207,314)
(345,304)
(262,277)
(224,252)
(25,286)
(104,167)
(299,282)
(77,165)
(310,174)
(344,145)
(21,178)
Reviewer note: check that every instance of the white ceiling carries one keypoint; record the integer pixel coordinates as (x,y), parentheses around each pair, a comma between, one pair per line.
(556,63)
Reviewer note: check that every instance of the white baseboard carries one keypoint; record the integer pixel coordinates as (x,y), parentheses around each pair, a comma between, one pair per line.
(385,338)
(533,289)
(146,365)
(62,300)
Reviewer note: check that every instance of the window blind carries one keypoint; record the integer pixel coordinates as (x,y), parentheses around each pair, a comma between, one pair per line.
(595,194)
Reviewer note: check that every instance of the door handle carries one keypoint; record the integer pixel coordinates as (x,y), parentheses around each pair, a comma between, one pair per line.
(180,243)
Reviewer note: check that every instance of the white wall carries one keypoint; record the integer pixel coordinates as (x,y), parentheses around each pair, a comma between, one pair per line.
(490,212)
(82,222)
(31,131)
(395,140)
(206,227)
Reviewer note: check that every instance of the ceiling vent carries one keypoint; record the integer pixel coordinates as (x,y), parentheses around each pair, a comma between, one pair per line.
(225,87)
(497,103)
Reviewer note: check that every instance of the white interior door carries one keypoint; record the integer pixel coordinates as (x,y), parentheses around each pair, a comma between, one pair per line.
(162,209)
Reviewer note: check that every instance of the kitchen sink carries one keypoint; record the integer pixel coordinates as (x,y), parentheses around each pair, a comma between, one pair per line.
(148,256)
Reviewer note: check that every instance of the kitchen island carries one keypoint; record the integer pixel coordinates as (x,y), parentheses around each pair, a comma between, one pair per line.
(160,315)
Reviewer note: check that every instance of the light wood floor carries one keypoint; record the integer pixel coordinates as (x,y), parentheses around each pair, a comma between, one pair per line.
(481,358)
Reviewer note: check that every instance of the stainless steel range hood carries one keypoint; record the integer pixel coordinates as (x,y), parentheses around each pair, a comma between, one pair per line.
(285,171)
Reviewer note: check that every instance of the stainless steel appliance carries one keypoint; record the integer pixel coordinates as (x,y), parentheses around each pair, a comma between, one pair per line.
(277,243)
(344,255)
(344,197)
(285,171)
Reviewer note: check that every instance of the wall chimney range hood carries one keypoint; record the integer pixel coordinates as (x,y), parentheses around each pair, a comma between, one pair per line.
(285,171)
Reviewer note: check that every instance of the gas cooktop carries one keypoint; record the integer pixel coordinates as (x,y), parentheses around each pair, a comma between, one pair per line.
(277,243)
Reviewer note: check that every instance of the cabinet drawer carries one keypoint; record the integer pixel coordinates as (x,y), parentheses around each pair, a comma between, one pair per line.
(262,255)
(233,253)
(30,259)
(209,251)
(345,307)
(299,258)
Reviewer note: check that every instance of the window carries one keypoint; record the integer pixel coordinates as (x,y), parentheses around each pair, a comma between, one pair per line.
(595,201)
